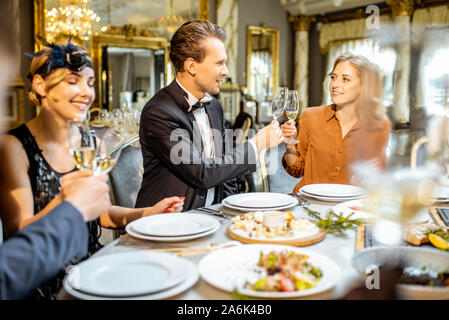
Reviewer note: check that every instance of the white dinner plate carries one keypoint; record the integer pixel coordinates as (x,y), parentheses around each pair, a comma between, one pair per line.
(229,269)
(257,200)
(346,208)
(192,277)
(289,205)
(329,199)
(130,230)
(440,194)
(128,274)
(333,190)
(174,224)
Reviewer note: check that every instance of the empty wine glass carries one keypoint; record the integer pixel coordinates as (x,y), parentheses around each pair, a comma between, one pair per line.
(108,151)
(81,141)
(278,103)
(291,110)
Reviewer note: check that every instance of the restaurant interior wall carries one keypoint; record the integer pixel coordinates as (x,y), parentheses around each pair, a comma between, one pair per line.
(274,15)
(26,40)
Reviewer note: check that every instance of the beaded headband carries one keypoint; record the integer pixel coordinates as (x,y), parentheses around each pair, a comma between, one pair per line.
(67,56)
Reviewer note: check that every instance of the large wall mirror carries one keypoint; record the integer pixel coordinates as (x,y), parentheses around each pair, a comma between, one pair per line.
(159,18)
(128,70)
(262,62)
(127,39)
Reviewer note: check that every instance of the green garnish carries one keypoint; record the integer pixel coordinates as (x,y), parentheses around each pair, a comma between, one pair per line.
(444,234)
(334,223)
(272,259)
(316,272)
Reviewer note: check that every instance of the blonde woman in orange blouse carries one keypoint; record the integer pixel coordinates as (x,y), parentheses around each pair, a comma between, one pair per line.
(353,128)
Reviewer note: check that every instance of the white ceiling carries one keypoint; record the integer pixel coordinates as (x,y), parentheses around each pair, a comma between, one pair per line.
(314,7)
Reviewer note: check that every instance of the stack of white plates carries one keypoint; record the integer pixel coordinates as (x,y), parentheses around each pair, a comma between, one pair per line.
(332,192)
(131,275)
(173,227)
(259,201)
(440,194)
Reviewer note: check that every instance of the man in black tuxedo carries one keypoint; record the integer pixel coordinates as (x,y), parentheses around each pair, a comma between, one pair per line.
(186,150)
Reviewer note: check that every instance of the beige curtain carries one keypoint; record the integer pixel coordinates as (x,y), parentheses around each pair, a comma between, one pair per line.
(433,17)
(432,92)
(346,30)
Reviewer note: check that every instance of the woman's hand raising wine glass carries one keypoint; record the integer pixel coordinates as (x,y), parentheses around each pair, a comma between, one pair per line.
(81,141)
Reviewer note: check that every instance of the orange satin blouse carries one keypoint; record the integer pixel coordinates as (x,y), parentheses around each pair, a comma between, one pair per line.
(326,157)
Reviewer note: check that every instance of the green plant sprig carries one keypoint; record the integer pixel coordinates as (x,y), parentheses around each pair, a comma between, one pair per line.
(334,223)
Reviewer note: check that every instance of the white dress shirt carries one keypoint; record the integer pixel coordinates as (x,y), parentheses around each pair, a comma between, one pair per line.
(207,137)
(202,120)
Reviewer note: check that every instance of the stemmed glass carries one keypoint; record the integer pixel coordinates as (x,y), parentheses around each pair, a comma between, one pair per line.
(81,141)
(291,110)
(396,196)
(278,103)
(108,151)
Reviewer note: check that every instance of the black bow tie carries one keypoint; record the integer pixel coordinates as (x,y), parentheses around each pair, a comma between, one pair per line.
(199,105)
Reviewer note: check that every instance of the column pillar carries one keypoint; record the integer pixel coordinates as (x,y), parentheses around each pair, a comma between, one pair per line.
(227,18)
(301,25)
(402,10)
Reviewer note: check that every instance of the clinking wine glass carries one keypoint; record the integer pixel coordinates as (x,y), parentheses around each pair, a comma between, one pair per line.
(81,141)
(396,196)
(291,110)
(278,103)
(108,151)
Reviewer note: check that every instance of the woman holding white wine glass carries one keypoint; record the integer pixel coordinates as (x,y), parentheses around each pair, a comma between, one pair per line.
(37,154)
(353,128)
(291,111)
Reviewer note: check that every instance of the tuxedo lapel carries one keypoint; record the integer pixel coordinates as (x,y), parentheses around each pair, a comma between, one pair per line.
(177,93)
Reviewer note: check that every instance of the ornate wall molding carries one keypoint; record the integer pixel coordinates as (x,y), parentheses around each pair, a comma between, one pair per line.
(401,7)
(301,23)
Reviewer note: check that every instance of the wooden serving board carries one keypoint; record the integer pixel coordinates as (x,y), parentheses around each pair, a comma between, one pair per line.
(440,216)
(297,242)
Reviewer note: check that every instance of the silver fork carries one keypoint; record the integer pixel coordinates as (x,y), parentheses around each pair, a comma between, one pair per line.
(216,213)
(301,201)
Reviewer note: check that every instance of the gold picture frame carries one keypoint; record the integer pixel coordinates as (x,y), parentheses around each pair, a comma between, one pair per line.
(123,40)
(15,104)
(271,37)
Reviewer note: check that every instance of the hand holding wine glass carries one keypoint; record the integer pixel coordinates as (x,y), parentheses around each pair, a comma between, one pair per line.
(81,141)
(291,110)
(108,151)
(278,103)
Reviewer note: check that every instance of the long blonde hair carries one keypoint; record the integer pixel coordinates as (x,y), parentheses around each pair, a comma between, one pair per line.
(370,108)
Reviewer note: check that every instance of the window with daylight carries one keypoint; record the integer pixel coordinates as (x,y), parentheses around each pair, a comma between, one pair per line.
(433,78)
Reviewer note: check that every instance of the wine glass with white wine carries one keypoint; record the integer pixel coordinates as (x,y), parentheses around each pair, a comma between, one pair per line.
(291,110)
(396,196)
(81,141)
(278,103)
(108,151)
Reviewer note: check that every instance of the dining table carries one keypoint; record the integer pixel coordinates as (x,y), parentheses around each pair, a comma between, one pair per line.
(337,247)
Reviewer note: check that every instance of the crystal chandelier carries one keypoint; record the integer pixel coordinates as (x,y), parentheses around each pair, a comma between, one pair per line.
(171,22)
(72,17)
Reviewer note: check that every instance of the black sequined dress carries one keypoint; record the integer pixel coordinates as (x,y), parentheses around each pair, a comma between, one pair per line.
(46,184)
